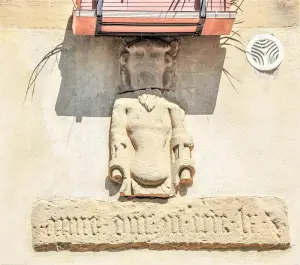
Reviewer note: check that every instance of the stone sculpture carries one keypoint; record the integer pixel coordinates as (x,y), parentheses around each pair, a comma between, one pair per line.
(150,148)
(150,156)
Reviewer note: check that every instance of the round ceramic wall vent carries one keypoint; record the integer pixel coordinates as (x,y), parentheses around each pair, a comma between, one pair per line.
(265,52)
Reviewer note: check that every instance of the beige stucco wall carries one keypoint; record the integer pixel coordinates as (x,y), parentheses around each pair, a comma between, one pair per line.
(248,146)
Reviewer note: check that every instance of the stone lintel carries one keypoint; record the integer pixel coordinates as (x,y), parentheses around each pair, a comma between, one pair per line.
(188,224)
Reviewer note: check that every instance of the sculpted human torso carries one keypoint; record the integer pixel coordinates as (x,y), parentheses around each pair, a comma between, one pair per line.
(150,149)
(150,136)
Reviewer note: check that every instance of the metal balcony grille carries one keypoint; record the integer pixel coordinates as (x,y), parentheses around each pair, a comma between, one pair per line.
(163,5)
(218,5)
(154,5)
(152,17)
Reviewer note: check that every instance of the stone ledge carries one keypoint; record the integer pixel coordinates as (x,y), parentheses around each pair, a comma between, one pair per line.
(188,224)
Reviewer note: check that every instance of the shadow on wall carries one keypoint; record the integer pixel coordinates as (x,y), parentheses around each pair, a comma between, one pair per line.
(90,75)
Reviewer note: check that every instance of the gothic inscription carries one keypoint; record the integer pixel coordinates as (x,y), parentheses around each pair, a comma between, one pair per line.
(225,222)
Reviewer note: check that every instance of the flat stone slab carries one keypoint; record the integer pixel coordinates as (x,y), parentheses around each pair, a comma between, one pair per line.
(209,223)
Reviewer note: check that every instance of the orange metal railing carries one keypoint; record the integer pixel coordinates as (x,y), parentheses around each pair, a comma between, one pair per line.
(164,17)
(154,5)
(218,5)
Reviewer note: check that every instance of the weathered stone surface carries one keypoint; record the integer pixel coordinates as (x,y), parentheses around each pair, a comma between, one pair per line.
(144,167)
(220,222)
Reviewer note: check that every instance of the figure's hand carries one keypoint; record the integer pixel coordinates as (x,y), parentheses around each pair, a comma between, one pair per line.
(185,176)
(116,176)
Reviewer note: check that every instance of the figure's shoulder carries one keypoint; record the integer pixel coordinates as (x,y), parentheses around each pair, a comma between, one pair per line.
(125,102)
(173,106)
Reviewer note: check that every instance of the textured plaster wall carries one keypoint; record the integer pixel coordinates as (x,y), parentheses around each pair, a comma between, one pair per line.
(248,144)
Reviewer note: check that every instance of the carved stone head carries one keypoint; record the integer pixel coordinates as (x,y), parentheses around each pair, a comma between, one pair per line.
(148,64)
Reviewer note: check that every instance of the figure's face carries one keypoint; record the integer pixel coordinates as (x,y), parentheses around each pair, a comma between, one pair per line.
(146,66)
(147,58)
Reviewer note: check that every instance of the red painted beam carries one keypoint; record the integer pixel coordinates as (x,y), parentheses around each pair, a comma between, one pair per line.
(218,26)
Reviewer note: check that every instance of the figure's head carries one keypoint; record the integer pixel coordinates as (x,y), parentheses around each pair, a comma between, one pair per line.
(149,64)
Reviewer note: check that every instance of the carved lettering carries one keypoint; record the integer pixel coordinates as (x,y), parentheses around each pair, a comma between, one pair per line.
(205,222)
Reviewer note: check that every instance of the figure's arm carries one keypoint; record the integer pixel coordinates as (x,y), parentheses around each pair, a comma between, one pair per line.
(118,142)
(182,146)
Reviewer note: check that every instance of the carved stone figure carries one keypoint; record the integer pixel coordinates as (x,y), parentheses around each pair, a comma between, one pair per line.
(150,148)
